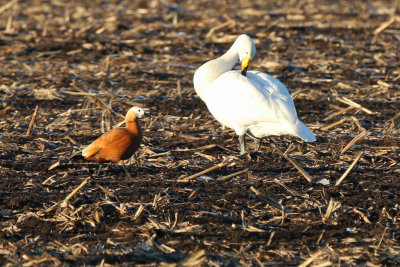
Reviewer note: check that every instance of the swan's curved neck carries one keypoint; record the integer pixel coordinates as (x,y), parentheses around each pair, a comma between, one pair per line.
(210,70)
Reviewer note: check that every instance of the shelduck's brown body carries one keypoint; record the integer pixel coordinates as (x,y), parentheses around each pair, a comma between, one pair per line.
(119,143)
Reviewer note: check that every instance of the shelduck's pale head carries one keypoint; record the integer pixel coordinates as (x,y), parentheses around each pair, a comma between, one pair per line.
(133,113)
(246,49)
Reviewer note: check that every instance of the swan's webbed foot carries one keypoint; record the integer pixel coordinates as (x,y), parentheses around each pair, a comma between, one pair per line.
(242,145)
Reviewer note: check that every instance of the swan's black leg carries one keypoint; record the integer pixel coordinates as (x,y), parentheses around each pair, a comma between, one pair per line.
(242,146)
(257,143)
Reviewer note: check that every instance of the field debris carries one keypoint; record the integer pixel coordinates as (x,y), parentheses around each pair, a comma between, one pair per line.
(69,66)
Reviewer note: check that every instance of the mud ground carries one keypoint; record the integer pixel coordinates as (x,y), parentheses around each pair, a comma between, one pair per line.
(83,64)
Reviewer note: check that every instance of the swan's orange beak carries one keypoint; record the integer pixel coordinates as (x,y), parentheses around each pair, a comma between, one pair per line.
(245,65)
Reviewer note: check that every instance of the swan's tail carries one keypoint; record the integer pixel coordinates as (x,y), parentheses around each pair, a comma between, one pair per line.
(303,132)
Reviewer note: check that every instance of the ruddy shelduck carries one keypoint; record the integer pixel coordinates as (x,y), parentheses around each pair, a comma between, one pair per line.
(249,102)
(119,143)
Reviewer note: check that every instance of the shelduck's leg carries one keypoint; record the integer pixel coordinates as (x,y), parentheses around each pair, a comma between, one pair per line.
(98,170)
(136,160)
(128,175)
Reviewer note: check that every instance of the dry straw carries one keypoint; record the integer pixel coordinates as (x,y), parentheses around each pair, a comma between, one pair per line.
(64,204)
(194,176)
(32,123)
(338,182)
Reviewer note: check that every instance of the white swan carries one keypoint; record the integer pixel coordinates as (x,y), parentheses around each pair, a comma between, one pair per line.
(250,102)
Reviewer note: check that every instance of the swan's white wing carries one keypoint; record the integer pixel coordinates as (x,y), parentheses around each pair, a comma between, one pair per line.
(280,99)
(239,102)
(279,95)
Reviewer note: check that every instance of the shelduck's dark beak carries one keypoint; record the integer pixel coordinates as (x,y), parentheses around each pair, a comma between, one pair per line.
(245,65)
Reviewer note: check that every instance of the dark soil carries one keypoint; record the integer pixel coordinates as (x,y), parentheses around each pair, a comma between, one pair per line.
(84,64)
